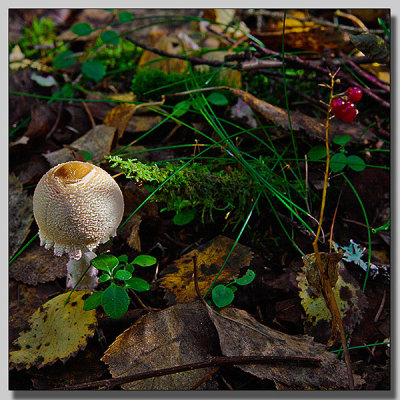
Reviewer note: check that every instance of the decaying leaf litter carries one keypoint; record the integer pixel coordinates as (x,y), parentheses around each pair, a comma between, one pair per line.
(281,316)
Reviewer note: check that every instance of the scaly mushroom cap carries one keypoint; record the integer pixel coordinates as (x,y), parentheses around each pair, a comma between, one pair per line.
(77,206)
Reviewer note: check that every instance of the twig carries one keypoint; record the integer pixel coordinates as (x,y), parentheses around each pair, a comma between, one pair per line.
(193,60)
(378,314)
(353,18)
(364,74)
(56,122)
(212,362)
(326,287)
(89,114)
(279,15)
(196,281)
(205,378)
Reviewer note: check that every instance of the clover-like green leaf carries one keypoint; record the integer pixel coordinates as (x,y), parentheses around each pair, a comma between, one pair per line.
(246,279)
(82,29)
(93,69)
(222,296)
(356,163)
(338,162)
(110,37)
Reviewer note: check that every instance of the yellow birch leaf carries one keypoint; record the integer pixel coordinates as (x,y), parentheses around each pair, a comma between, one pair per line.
(57,332)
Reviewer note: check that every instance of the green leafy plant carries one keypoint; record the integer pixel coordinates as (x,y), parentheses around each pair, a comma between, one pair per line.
(223,295)
(340,159)
(117,270)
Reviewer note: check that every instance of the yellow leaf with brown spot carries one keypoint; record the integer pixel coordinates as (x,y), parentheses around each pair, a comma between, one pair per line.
(350,300)
(210,258)
(57,332)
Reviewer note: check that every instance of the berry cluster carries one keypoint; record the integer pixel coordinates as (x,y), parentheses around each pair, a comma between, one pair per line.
(343,107)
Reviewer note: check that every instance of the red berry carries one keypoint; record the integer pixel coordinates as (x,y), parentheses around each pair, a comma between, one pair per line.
(348,112)
(354,94)
(337,104)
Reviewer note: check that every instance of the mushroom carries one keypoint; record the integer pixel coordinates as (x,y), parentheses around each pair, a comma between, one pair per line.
(77,206)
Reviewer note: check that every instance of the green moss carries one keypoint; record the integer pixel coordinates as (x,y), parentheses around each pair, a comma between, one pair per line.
(152,83)
(123,56)
(197,186)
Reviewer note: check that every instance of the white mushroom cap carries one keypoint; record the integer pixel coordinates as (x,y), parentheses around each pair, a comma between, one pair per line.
(77,206)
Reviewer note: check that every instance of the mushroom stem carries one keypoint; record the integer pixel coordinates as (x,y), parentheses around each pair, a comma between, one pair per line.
(77,268)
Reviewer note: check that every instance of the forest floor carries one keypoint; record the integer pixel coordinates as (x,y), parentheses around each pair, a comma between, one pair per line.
(224,114)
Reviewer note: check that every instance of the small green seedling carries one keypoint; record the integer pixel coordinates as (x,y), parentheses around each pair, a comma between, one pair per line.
(223,295)
(114,299)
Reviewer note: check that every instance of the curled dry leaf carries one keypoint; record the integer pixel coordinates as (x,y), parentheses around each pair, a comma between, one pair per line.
(119,117)
(20,215)
(38,265)
(97,142)
(350,299)
(57,332)
(241,335)
(181,334)
(210,258)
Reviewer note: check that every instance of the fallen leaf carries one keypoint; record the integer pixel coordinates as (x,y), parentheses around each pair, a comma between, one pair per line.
(181,334)
(57,332)
(241,335)
(23,301)
(85,367)
(43,119)
(350,300)
(38,265)
(134,238)
(225,24)
(97,142)
(119,117)
(210,258)
(20,214)
(161,40)
(303,34)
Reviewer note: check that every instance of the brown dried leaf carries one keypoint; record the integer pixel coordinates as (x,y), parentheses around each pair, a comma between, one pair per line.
(178,335)
(210,258)
(85,367)
(241,335)
(304,35)
(172,45)
(134,238)
(38,265)
(97,142)
(43,119)
(119,117)
(330,265)
(350,300)
(23,301)
(20,214)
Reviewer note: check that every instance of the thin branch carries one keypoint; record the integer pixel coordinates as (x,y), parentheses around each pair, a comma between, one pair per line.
(326,287)
(213,362)
(193,60)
